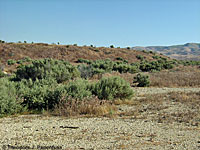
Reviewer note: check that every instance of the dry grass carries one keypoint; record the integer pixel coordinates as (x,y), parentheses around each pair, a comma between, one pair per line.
(71,53)
(179,77)
(172,107)
(87,107)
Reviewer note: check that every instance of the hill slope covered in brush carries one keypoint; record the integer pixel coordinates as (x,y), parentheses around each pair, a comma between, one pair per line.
(71,53)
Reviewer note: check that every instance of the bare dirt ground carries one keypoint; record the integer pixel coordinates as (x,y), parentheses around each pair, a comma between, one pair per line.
(157,118)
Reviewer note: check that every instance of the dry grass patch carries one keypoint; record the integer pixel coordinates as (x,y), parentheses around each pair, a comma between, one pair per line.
(86,107)
(179,77)
(173,107)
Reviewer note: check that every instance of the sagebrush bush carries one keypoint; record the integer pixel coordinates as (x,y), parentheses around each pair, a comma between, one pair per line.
(47,68)
(111,88)
(123,68)
(35,94)
(86,71)
(106,65)
(9,101)
(11,62)
(142,80)
(78,89)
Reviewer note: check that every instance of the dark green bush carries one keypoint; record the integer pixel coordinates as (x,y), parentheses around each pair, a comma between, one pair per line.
(122,59)
(123,68)
(111,88)
(111,46)
(140,57)
(9,101)
(82,60)
(11,62)
(106,65)
(141,80)
(47,68)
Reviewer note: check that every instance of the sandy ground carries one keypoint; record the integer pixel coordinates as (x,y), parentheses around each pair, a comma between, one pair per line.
(137,127)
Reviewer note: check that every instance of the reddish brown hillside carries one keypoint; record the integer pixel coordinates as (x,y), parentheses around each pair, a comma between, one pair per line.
(71,53)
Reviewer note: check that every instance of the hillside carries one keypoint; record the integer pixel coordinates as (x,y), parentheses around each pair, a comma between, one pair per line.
(189,51)
(72,53)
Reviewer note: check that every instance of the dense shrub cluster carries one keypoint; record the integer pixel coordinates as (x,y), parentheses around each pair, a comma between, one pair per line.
(158,65)
(47,68)
(36,86)
(36,94)
(122,66)
(189,62)
(103,66)
(43,84)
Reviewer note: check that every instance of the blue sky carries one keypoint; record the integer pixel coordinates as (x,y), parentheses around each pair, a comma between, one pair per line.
(101,22)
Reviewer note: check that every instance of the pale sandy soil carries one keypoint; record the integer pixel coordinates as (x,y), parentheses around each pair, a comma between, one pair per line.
(149,128)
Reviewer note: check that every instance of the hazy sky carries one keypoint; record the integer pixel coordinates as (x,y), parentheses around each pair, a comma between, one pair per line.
(101,22)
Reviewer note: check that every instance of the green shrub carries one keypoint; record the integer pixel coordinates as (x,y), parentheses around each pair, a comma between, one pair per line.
(9,102)
(98,71)
(86,71)
(78,89)
(140,57)
(123,68)
(141,80)
(11,62)
(82,60)
(106,65)
(36,93)
(1,74)
(122,59)
(47,68)
(111,88)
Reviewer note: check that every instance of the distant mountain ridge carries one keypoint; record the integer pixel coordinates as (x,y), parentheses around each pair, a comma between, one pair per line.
(188,51)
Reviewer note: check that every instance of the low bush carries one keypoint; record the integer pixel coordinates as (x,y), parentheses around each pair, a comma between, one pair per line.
(86,71)
(82,60)
(141,80)
(9,101)
(111,88)
(140,57)
(11,62)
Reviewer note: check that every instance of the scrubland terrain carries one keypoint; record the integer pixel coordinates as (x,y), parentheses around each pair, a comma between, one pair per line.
(190,51)
(102,98)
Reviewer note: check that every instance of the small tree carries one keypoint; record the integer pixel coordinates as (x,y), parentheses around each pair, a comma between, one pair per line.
(142,80)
